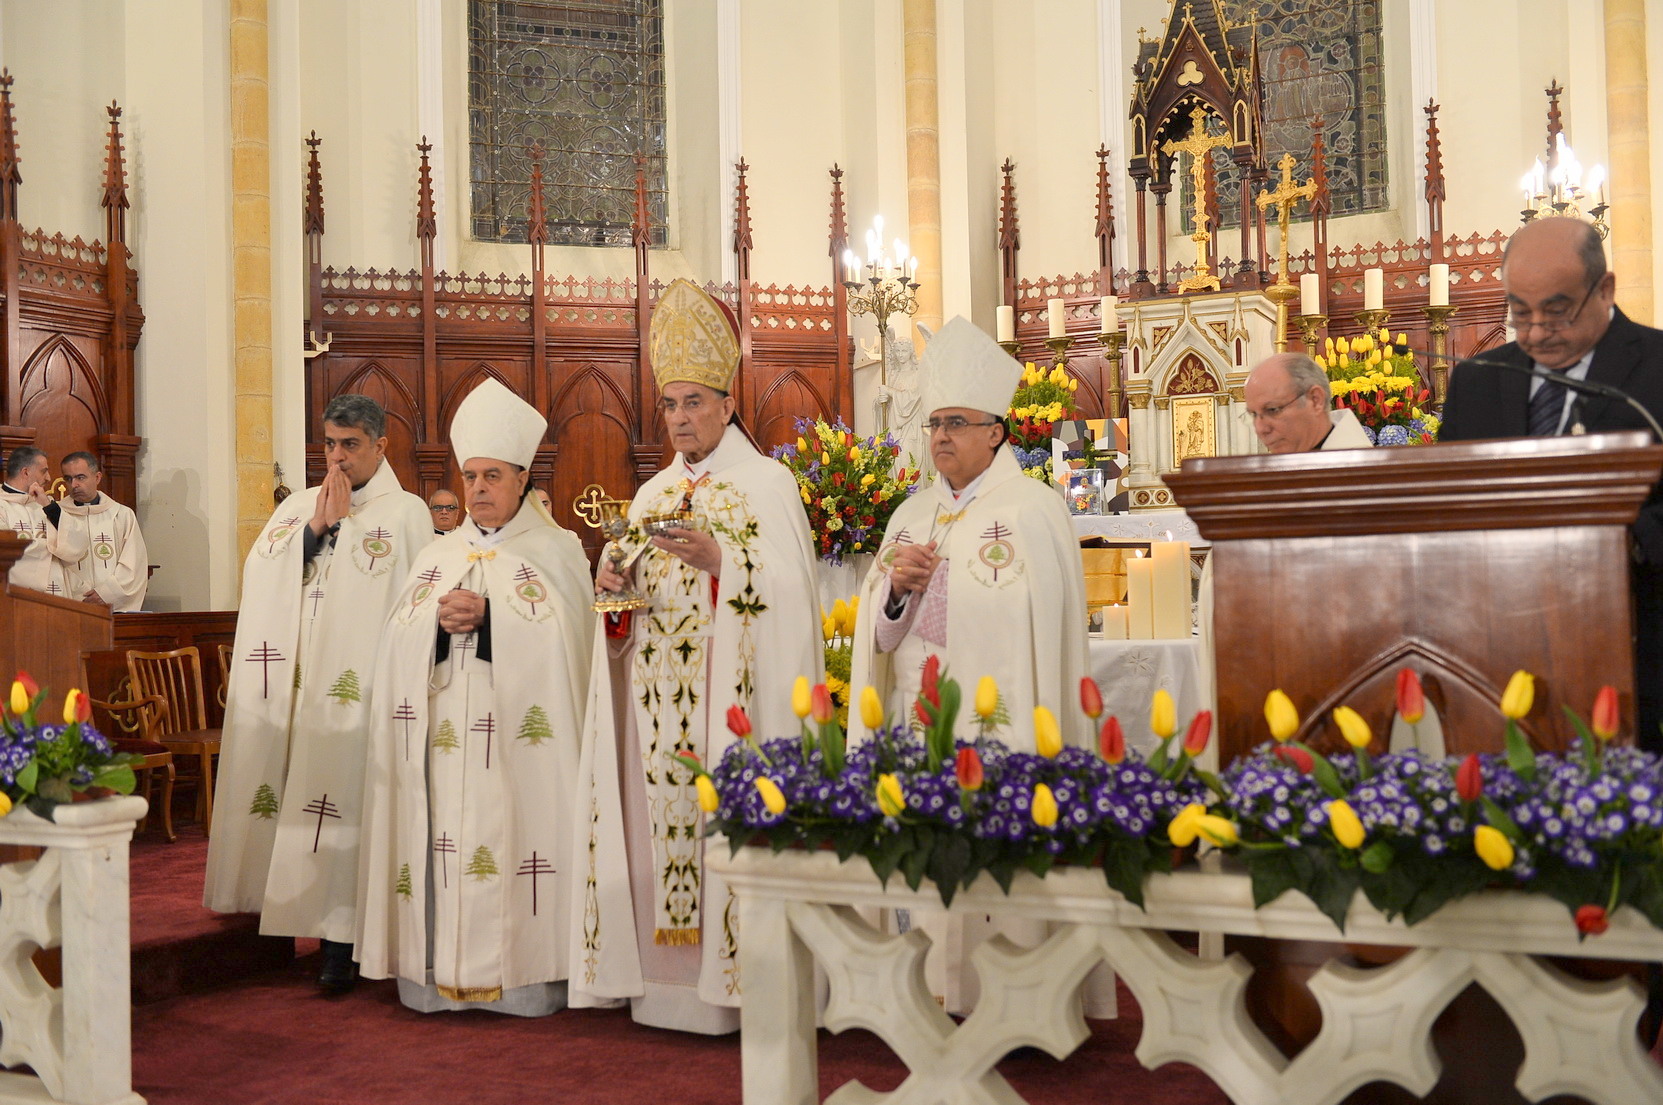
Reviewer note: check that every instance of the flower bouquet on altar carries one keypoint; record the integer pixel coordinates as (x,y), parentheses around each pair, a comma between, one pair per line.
(1378,382)
(850,486)
(915,799)
(43,764)
(1042,399)
(837,628)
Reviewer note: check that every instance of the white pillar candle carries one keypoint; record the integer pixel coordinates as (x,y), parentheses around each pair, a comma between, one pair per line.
(1110,310)
(1170,565)
(1140,598)
(1055,318)
(1310,294)
(1114,622)
(1438,285)
(1005,322)
(1374,289)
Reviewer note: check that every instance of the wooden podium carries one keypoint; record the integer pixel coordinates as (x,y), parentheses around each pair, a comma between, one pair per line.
(43,634)
(1466,562)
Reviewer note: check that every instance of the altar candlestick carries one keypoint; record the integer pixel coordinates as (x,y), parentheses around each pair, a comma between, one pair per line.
(1114,622)
(1438,286)
(1310,294)
(1170,567)
(1005,322)
(1140,590)
(1055,318)
(1110,310)
(1374,289)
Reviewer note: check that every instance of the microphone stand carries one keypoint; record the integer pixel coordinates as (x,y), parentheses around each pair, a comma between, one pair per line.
(1569,383)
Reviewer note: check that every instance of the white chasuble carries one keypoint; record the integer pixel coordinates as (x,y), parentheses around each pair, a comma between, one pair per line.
(287,800)
(473,769)
(655,926)
(1015,605)
(101,549)
(36,569)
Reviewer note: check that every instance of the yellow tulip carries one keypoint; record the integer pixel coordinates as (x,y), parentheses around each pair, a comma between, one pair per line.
(1342,345)
(69,706)
(5,804)
(1221,831)
(1386,336)
(709,800)
(1328,346)
(828,628)
(1492,847)
(772,797)
(987,696)
(1183,828)
(20,697)
(1515,700)
(867,480)
(1073,385)
(1163,715)
(840,612)
(871,707)
(801,701)
(1044,806)
(1047,737)
(825,457)
(1347,826)
(892,801)
(802,446)
(1402,339)
(854,454)
(1352,727)
(1281,715)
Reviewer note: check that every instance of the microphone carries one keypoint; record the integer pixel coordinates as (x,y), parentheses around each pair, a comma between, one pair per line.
(1569,383)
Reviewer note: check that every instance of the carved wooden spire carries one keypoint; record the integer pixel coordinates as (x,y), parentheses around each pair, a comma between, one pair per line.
(839,220)
(114,200)
(427,223)
(1105,224)
(1010,239)
(537,227)
(1556,125)
(1434,155)
(640,225)
(1320,203)
(10,177)
(311,218)
(742,222)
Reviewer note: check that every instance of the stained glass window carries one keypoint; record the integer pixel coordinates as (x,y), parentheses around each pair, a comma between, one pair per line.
(585,80)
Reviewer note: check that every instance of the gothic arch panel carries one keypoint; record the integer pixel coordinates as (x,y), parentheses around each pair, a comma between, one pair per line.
(788,397)
(590,419)
(59,395)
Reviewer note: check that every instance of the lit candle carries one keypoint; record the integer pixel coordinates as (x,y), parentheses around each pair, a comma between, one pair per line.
(1438,285)
(1114,622)
(1055,318)
(1109,308)
(1140,598)
(1374,289)
(912,269)
(1310,294)
(1005,322)
(1170,564)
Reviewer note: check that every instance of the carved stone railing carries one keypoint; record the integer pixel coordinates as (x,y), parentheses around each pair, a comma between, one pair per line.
(796,913)
(78,1038)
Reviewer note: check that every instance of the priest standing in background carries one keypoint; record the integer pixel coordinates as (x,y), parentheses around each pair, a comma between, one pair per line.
(446,509)
(99,543)
(478,715)
(23,501)
(981,567)
(734,620)
(317,588)
(1289,401)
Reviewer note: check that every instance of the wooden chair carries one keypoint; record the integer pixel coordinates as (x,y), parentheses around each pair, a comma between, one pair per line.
(128,718)
(224,652)
(176,678)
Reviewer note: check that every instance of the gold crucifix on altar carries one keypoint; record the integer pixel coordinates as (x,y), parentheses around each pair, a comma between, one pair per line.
(1284,196)
(1199,146)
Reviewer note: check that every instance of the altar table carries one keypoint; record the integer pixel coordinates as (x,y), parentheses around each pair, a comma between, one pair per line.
(1130,672)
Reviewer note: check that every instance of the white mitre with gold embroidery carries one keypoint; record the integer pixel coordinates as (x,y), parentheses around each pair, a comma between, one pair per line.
(963,367)
(493,422)
(691,339)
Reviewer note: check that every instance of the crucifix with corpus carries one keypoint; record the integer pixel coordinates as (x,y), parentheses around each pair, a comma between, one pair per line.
(1284,196)
(1199,145)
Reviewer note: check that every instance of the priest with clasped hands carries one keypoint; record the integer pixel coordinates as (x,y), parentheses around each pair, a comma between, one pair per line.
(23,502)
(317,586)
(469,794)
(981,567)
(733,621)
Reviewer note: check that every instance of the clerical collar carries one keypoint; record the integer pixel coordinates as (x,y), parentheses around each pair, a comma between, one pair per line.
(962,498)
(9,489)
(697,469)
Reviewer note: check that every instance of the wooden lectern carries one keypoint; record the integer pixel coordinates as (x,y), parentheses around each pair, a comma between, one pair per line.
(1466,562)
(43,634)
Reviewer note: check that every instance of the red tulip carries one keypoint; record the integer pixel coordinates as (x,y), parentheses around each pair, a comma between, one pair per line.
(1201,727)
(969,769)
(1606,718)
(931,685)
(30,687)
(1091,699)
(1111,741)
(1591,920)
(738,722)
(1469,778)
(83,709)
(1299,758)
(821,707)
(918,711)
(1411,702)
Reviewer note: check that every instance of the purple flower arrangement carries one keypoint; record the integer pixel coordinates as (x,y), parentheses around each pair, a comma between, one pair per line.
(43,764)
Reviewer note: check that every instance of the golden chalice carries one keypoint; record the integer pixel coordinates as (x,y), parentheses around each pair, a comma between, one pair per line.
(613,520)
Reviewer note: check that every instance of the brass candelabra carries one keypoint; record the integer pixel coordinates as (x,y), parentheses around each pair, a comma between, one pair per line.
(1010,347)
(1309,329)
(888,291)
(1059,349)
(1373,320)
(1437,319)
(1113,342)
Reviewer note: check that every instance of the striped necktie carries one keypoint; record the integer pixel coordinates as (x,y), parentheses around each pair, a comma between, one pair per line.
(1547,409)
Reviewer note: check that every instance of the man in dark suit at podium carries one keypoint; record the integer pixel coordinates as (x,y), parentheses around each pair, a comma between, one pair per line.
(1561,302)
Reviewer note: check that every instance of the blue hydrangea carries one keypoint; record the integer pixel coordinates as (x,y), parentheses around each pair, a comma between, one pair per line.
(1392,435)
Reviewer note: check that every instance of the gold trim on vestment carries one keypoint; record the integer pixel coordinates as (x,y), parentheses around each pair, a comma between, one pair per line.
(471,993)
(675,938)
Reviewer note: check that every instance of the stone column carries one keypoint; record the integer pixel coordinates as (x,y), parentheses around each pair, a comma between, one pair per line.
(1628,130)
(923,117)
(251,266)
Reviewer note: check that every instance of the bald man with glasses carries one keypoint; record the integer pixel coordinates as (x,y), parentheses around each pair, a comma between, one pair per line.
(1561,304)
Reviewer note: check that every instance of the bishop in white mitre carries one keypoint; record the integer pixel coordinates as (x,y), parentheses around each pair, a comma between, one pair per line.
(733,620)
(469,815)
(23,502)
(317,588)
(99,547)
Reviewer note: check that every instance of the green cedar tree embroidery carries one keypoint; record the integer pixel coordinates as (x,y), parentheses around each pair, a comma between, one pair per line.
(403,886)
(445,739)
(535,728)
(345,688)
(264,805)
(297,675)
(482,866)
